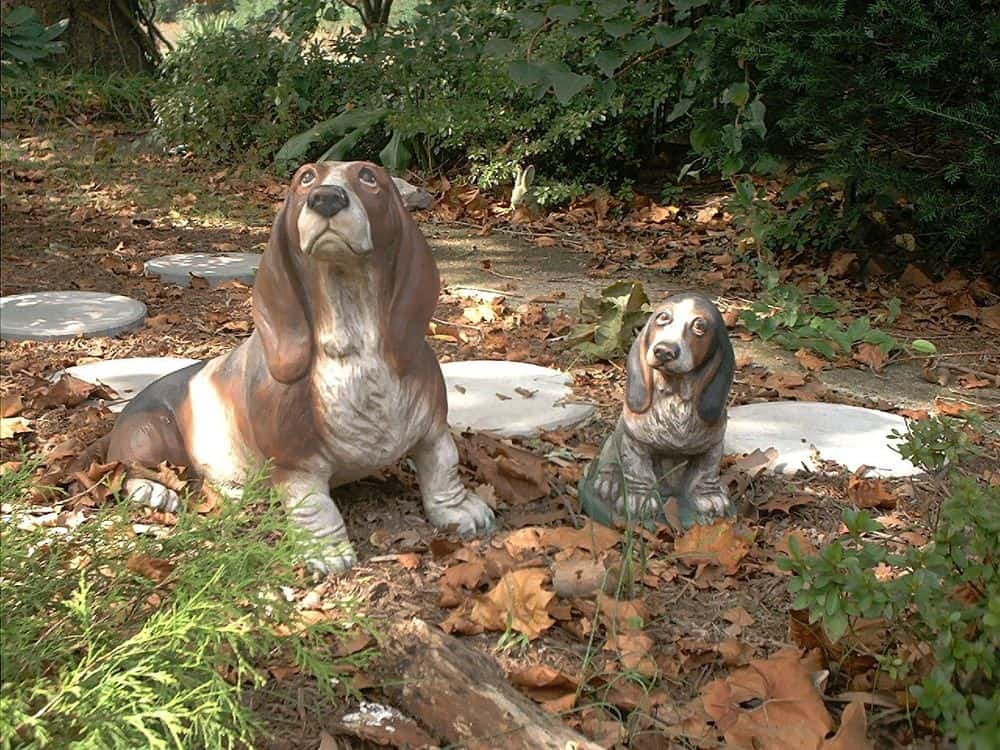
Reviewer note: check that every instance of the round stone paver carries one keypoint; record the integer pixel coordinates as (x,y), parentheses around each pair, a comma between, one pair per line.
(215,268)
(127,376)
(483,395)
(52,316)
(849,435)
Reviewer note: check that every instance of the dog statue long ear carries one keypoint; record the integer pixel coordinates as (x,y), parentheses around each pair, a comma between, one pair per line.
(712,391)
(413,292)
(639,388)
(279,309)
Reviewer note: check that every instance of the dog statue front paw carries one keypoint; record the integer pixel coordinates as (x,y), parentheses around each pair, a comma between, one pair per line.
(706,507)
(338,557)
(153,494)
(469,514)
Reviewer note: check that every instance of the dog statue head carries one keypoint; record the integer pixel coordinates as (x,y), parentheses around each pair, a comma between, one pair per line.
(685,337)
(339,214)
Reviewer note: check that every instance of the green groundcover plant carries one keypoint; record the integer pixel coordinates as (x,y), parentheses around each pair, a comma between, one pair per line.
(946,594)
(113,639)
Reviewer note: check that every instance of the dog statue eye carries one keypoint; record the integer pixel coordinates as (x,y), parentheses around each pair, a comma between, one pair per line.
(663,318)
(367,177)
(307,178)
(698,326)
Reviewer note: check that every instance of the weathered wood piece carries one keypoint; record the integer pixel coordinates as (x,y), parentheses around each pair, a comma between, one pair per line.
(463,698)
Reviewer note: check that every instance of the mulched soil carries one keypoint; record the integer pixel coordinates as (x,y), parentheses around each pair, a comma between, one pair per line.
(73,222)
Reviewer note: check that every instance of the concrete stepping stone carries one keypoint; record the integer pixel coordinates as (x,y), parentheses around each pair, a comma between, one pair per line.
(849,435)
(483,395)
(127,376)
(215,268)
(53,316)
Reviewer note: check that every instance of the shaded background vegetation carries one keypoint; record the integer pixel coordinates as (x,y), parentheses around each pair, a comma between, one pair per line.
(875,119)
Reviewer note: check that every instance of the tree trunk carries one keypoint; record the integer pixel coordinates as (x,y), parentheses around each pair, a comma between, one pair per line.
(105,36)
(374,15)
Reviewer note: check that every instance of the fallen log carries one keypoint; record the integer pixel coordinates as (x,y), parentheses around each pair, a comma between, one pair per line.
(462,697)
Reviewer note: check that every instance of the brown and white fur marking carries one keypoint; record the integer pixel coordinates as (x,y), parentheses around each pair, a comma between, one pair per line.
(668,440)
(336,381)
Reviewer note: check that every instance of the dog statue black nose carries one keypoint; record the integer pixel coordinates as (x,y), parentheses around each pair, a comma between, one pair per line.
(666,352)
(327,200)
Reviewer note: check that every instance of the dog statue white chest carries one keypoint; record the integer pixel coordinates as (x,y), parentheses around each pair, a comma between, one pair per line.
(672,424)
(369,417)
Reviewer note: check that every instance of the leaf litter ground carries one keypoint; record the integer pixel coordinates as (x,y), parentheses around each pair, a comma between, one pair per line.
(639,640)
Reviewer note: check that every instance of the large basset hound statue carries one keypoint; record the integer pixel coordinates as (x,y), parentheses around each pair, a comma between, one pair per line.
(336,381)
(668,440)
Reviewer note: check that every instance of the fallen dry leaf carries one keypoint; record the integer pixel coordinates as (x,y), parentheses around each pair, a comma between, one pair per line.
(805,547)
(952,408)
(517,475)
(70,391)
(11,406)
(592,537)
(517,601)
(409,560)
(659,214)
(149,567)
(871,355)
(869,493)
(772,704)
(458,580)
(810,361)
(913,276)
(990,317)
(852,732)
(11,426)
(738,616)
(634,651)
(721,543)
(555,690)
(785,504)
(840,264)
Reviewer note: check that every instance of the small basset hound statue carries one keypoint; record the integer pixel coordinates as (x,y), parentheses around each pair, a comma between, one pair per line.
(668,440)
(337,379)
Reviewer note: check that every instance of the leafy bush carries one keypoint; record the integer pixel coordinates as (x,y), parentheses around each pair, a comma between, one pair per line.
(239,92)
(118,640)
(882,107)
(25,40)
(945,594)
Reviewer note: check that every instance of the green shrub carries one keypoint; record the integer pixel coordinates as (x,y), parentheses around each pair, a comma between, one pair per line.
(25,40)
(118,640)
(945,594)
(231,92)
(883,108)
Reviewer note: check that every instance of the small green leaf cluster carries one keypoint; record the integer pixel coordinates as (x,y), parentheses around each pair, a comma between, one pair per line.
(95,654)
(945,594)
(609,322)
(789,318)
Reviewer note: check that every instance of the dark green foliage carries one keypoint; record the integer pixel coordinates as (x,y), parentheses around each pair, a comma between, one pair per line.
(231,92)
(98,654)
(946,594)
(880,118)
(888,113)
(25,40)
